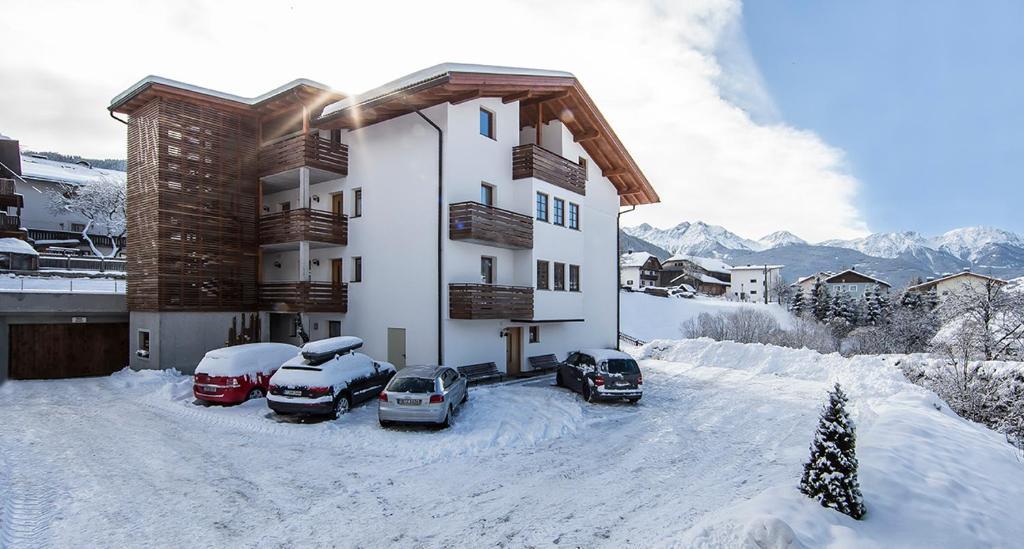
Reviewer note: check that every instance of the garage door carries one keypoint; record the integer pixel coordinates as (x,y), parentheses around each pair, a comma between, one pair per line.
(49,351)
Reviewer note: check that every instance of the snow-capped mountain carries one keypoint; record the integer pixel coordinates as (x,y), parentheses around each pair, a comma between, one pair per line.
(699,239)
(780,238)
(896,256)
(970,243)
(890,245)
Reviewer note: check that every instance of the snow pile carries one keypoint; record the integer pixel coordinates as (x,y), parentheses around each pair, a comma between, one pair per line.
(648,317)
(16,246)
(929,478)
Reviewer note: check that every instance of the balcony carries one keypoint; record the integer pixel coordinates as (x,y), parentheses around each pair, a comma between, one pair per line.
(538,162)
(482,224)
(10,226)
(8,197)
(477,301)
(300,150)
(303,297)
(303,224)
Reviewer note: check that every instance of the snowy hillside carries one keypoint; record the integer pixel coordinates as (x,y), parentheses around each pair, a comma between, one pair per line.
(969,243)
(888,245)
(647,317)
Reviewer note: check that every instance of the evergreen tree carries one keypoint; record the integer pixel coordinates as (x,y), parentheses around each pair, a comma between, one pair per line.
(931,299)
(872,307)
(911,300)
(884,305)
(843,308)
(821,302)
(830,476)
(797,306)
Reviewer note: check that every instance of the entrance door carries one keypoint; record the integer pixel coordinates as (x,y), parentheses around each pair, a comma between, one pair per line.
(514,351)
(396,347)
(338,203)
(336,271)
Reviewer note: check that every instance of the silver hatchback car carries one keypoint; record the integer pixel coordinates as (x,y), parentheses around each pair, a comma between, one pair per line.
(422,394)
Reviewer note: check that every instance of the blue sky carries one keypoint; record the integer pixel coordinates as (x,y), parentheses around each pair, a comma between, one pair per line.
(925,98)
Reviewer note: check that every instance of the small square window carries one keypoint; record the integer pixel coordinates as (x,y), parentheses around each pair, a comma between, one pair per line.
(487,270)
(542,275)
(486,123)
(333,328)
(559,212)
(143,344)
(560,276)
(534,334)
(486,194)
(574,216)
(574,278)
(542,207)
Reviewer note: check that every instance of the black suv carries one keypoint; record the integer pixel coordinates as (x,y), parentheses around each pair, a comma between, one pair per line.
(601,374)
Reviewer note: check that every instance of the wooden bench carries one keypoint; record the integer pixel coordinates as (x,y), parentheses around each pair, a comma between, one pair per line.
(485,371)
(544,362)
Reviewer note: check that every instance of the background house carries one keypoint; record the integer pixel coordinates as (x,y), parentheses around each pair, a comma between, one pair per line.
(708,275)
(755,282)
(639,270)
(853,283)
(951,284)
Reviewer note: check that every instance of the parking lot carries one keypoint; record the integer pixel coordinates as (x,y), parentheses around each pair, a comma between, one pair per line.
(129,460)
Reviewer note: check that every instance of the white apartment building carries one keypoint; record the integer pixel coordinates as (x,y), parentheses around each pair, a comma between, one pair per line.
(754,282)
(460,215)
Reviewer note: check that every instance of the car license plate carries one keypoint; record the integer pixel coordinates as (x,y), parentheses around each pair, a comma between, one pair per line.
(622,384)
(293,393)
(409,402)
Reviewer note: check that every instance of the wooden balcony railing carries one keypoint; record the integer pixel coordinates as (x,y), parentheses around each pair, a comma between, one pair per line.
(489,301)
(534,161)
(303,224)
(303,150)
(482,224)
(10,226)
(314,297)
(9,198)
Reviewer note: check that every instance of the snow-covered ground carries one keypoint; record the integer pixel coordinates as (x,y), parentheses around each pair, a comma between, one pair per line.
(711,456)
(647,317)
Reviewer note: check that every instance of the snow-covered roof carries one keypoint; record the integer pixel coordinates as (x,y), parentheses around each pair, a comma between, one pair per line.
(955,275)
(16,246)
(55,171)
(604,354)
(711,280)
(432,73)
(877,280)
(755,267)
(822,275)
(635,259)
(710,264)
(153,79)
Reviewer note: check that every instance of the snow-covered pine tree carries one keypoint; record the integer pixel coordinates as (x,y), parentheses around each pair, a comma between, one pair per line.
(872,307)
(821,302)
(911,300)
(931,299)
(884,304)
(797,306)
(830,476)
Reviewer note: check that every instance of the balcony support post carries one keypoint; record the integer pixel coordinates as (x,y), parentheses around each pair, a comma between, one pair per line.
(304,261)
(304,200)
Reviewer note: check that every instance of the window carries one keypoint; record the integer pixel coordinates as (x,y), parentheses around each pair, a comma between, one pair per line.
(487,194)
(559,212)
(448,379)
(333,328)
(753,292)
(574,278)
(143,350)
(542,275)
(486,123)
(336,137)
(534,334)
(285,206)
(357,203)
(542,207)
(357,269)
(487,270)
(560,276)
(753,281)
(77,227)
(583,164)
(574,216)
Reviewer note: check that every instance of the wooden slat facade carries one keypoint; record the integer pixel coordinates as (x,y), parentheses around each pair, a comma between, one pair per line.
(475,301)
(303,150)
(310,297)
(304,224)
(533,161)
(192,193)
(481,224)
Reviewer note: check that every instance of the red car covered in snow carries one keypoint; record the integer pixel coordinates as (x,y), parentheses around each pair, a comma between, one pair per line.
(236,374)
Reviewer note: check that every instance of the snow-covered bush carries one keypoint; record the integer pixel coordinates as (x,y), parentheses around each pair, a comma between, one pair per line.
(830,476)
(806,333)
(743,326)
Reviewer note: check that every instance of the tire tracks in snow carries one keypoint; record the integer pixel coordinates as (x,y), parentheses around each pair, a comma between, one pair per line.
(27,504)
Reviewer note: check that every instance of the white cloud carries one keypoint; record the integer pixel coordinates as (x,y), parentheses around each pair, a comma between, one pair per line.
(651,67)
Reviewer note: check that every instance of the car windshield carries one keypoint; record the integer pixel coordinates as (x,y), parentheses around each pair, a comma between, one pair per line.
(411,385)
(622,366)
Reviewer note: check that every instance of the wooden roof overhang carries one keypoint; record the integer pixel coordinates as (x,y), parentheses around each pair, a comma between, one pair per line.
(287,97)
(540,97)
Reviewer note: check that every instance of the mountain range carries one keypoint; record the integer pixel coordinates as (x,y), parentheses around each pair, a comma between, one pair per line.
(897,257)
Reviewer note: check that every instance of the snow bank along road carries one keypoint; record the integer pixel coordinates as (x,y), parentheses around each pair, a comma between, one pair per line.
(128,461)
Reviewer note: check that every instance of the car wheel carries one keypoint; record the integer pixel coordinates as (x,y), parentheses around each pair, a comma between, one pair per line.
(633,400)
(341,406)
(465,397)
(385,423)
(256,392)
(447,419)
(588,393)
(558,379)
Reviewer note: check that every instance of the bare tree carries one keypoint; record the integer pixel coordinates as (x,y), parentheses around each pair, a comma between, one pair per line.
(100,201)
(993,315)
